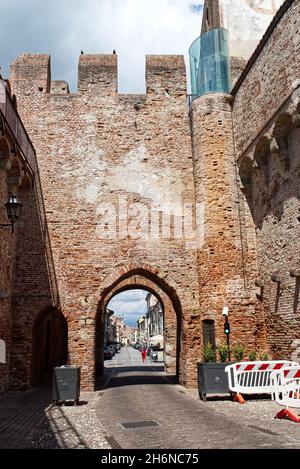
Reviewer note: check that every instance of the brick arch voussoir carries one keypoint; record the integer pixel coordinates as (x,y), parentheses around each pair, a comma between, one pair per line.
(66,311)
(160,278)
(140,283)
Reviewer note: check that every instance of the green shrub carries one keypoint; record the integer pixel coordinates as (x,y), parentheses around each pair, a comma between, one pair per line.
(209,354)
(252,356)
(223,352)
(238,352)
(264,356)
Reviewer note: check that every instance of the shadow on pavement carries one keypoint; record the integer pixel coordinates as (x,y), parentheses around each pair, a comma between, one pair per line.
(134,375)
(28,421)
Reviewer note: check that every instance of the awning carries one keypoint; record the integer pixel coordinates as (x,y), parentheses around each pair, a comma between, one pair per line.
(157,339)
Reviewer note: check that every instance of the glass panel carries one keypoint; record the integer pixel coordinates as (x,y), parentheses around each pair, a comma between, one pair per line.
(210,63)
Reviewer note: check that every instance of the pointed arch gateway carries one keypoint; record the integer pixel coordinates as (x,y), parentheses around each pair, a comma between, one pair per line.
(146,278)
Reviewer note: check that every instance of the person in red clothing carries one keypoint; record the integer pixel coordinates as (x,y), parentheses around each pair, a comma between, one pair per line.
(144,354)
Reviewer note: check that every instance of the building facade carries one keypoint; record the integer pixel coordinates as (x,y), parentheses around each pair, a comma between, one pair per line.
(155,319)
(198,206)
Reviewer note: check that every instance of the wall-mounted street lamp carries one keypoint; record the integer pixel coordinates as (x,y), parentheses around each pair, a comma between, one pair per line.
(225,313)
(13,209)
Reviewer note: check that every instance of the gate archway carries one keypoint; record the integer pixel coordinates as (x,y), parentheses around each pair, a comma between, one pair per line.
(49,344)
(144,279)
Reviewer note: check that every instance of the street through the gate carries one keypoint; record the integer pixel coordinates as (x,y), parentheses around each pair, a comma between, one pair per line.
(141,407)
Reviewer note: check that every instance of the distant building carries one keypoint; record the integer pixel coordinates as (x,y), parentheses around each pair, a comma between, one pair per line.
(151,325)
(108,327)
(155,317)
(129,335)
(118,323)
(114,328)
(134,336)
(142,330)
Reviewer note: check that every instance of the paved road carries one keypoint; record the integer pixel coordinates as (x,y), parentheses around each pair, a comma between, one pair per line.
(133,392)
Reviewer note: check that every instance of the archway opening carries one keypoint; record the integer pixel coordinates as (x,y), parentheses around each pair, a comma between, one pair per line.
(135,318)
(154,293)
(49,346)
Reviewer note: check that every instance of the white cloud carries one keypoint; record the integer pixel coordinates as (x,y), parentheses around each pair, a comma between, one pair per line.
(131,295)
(132,27)
(131,304)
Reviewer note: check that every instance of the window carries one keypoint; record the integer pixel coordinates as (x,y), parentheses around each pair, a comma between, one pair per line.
(208,327)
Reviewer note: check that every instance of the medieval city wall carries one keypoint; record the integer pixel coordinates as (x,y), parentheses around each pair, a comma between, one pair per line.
(105,160)
(26,287)
(6,256)
(267,136)
(227,265)
(134,198)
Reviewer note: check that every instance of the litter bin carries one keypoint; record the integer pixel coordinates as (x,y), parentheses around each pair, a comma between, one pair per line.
(66,383)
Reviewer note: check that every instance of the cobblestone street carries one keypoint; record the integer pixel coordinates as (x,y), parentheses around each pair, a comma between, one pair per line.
(131,397)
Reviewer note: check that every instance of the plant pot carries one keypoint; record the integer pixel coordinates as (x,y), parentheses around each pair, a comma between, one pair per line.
(212,379)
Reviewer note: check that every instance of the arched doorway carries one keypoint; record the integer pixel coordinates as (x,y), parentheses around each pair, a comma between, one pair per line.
(144,279)
(134,318)
(49,344)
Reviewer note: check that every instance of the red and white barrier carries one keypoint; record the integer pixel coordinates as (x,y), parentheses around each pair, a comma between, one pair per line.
(292,373)
(254,377)
(286,391)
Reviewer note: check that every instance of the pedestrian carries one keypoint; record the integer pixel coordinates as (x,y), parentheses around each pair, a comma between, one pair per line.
(144,354)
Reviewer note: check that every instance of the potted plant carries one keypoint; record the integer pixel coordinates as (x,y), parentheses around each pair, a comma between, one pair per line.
(238,352)
(223,351)
(209,354)
(264,357)
(212,378)
(261,356)
(252,356)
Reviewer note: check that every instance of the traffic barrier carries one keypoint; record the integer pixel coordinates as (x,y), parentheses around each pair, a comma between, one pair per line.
(286,391)
(238,398)
(254,377)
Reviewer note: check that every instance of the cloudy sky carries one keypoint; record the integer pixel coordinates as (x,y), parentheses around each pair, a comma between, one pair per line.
(65,27)
(130,304)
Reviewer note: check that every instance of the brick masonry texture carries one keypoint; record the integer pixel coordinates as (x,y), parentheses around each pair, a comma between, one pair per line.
(98,149)
(221,261)
(112,168)
(266,127)
(27,288)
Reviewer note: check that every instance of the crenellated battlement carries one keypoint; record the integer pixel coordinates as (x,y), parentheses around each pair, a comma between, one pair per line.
(98,74)
(32,71)
(165,61)
(59,87)
(165,73)
(98,60)
(32,60)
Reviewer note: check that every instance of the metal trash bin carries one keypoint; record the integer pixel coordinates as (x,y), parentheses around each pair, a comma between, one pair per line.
(66,383)
(212,379)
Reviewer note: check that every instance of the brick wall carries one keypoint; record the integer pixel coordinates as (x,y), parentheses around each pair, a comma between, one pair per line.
(27,282)
(271,80)
(99,153)
(6,256)
(226,264)
(266,126)
(114,166)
